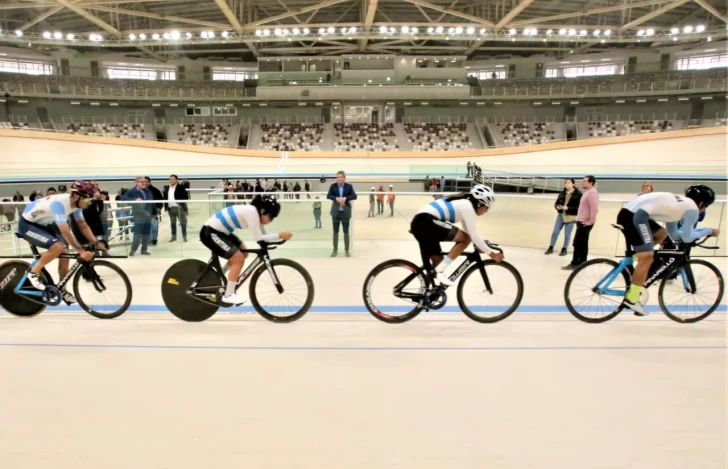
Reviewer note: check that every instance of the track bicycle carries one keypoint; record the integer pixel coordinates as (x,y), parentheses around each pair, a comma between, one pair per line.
(193,290)
(690,289)
(101,288)
(397,290)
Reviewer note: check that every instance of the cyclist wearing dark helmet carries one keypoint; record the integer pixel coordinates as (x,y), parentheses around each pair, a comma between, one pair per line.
(44,223)
(218,235)
(638,219)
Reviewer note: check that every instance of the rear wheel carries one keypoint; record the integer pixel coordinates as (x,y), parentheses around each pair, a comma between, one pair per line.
(589,303)
(379,291)
(177,281)
(11,273)
(695,292)
(481,305)
(296,295)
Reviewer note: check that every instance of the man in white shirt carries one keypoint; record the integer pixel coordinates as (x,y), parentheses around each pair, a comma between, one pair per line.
(173,195)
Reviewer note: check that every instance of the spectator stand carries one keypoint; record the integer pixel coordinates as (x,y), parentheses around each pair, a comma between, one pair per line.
(205,131)
(521,131)
(108,126)
(19,123)
(438,133)
(291,133)
(614,125)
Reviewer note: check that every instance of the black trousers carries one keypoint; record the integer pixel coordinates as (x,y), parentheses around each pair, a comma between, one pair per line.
(581,243)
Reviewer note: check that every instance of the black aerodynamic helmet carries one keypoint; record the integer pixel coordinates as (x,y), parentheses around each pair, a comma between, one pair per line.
(700,193)
(267,205)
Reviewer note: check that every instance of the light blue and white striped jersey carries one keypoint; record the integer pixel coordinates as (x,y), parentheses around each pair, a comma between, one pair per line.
(52,209)
(240,217)
(457,211)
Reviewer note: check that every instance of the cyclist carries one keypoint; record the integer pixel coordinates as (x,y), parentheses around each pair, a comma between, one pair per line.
(638,219)
(432,224)
(217,234)
(44,223)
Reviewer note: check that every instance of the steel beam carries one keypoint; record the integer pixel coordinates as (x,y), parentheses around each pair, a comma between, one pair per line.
(143,14)
(318,6)
(708,7)
(40,18)
(513,13)
(594,11)
(654,14)
(368,20)
(472,18)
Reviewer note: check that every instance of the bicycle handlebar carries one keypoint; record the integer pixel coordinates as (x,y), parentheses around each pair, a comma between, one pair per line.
(494,247)
(698,243)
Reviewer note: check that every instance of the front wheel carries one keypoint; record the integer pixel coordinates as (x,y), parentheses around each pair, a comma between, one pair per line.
(394,291)
(594,291)
(102,289)
(492,296)
(693,294)
(283,296)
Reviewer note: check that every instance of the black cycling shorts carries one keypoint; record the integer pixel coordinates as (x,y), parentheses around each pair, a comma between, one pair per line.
(42,236)
(222,244)
(638,229)
(429,232)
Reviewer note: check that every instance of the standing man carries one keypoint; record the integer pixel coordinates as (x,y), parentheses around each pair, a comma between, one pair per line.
(174,194)
(442,184)
(141,214)
(469,166)
(585,219)
(307,188)
(341,194)
(372,197)
(156,209)
(390,200)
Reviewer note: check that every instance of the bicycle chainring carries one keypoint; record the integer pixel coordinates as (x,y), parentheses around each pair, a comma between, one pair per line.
(435,298)
(52,295)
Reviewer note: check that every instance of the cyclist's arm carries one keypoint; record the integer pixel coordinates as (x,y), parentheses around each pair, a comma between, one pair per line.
(688,233)
(472,229)
(253,222)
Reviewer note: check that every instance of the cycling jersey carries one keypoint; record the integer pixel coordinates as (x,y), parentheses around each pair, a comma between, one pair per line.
(50,210)
(460,210)
(671,209)
(240,217)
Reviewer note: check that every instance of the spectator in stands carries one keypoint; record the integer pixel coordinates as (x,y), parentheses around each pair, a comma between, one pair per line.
(51,191)
(141,214)
(341,194)
(372,198)
(469,167)
(174,194)
(567,206)
(585,220)
(186,185)
(297,190)
(380,200)
(433,185)
(258,186)
(157,209)
(123,214)
(307,188)
(317,213)
(277,185)
(18,197)
(647,187)
(289,190)
(428,183)
(33,196)
(390,200)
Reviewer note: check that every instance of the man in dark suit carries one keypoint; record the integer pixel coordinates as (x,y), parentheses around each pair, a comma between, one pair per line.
(174,194)
(156,209)
(141,215)
(341,194)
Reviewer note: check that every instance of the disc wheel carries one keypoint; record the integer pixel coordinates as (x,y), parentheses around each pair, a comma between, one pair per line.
(177,281)
(378,291)
(588,305)
(102,289)
(10,274)
(482,306)
(285,306)
(694,294)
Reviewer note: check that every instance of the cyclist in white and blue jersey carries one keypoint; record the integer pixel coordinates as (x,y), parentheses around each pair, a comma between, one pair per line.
(44,223)
(639,219)
(433,224)
(218,235)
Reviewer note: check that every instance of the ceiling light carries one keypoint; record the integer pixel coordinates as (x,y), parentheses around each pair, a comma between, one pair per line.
(189,35)
(405,29)
(688,29)
(224,34)
(534,31)
(266,32)
(286,32)
(46,35)
(511,31)
(166,35)
(383,29)
(331,30)
(459,30)
(641,32)
(414,30)
(430,30)
(352,30)
(699,28)
(277,31)
(482,30)
(674,31)
(582,32)
(572,32)
(155,36)
(709,39)
(650,32)
(470,30)
(562,32)
(451,30)
(142,36)
(19,33)
(438,30)
(203,35)
(132,37)
(176,35)
(306,30)
(597,32)
(70,37)
(296,31)
(608,32)
(58,35)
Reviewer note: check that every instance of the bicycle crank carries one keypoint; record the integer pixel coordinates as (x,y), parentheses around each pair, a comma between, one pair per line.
(435,298)
(52,295)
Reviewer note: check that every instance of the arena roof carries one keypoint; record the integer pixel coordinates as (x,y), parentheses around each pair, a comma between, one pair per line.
(252,28)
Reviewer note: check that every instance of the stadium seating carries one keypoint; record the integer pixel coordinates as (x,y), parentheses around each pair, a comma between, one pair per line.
(514,134)
(365,137)
(206,135)
(14,125)
(595,129)
(135,131)
(291,137)
(438,137)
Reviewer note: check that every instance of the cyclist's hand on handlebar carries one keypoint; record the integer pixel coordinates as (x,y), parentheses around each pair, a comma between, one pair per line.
(716,231)
(286,235)
(101,246)
(496,256)
(86,255)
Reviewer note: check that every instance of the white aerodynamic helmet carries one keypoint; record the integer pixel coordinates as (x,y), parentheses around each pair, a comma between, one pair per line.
(483,193)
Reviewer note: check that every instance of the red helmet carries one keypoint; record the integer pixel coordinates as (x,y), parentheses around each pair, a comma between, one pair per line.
(83,188)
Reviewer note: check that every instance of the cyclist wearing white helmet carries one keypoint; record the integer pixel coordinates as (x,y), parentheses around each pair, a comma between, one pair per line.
(433,224)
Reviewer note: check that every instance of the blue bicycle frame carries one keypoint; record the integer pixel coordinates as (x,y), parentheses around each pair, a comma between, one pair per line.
(25,291)
(603,285)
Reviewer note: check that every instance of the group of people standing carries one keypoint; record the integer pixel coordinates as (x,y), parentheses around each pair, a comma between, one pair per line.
(378,195)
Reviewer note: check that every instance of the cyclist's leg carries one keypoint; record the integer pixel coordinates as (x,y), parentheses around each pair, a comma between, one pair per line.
(42,237)
(639,235)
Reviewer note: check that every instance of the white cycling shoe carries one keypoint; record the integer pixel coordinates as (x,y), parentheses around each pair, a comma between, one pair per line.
(442,278)
(233,299)
(636,308)
(36,280)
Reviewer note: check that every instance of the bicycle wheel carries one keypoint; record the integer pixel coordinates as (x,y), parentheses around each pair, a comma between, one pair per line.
(285,305)
(694,294)
(10,274)
(483,306)
(102,289)
(177,281)
(583,299)
(379,288)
